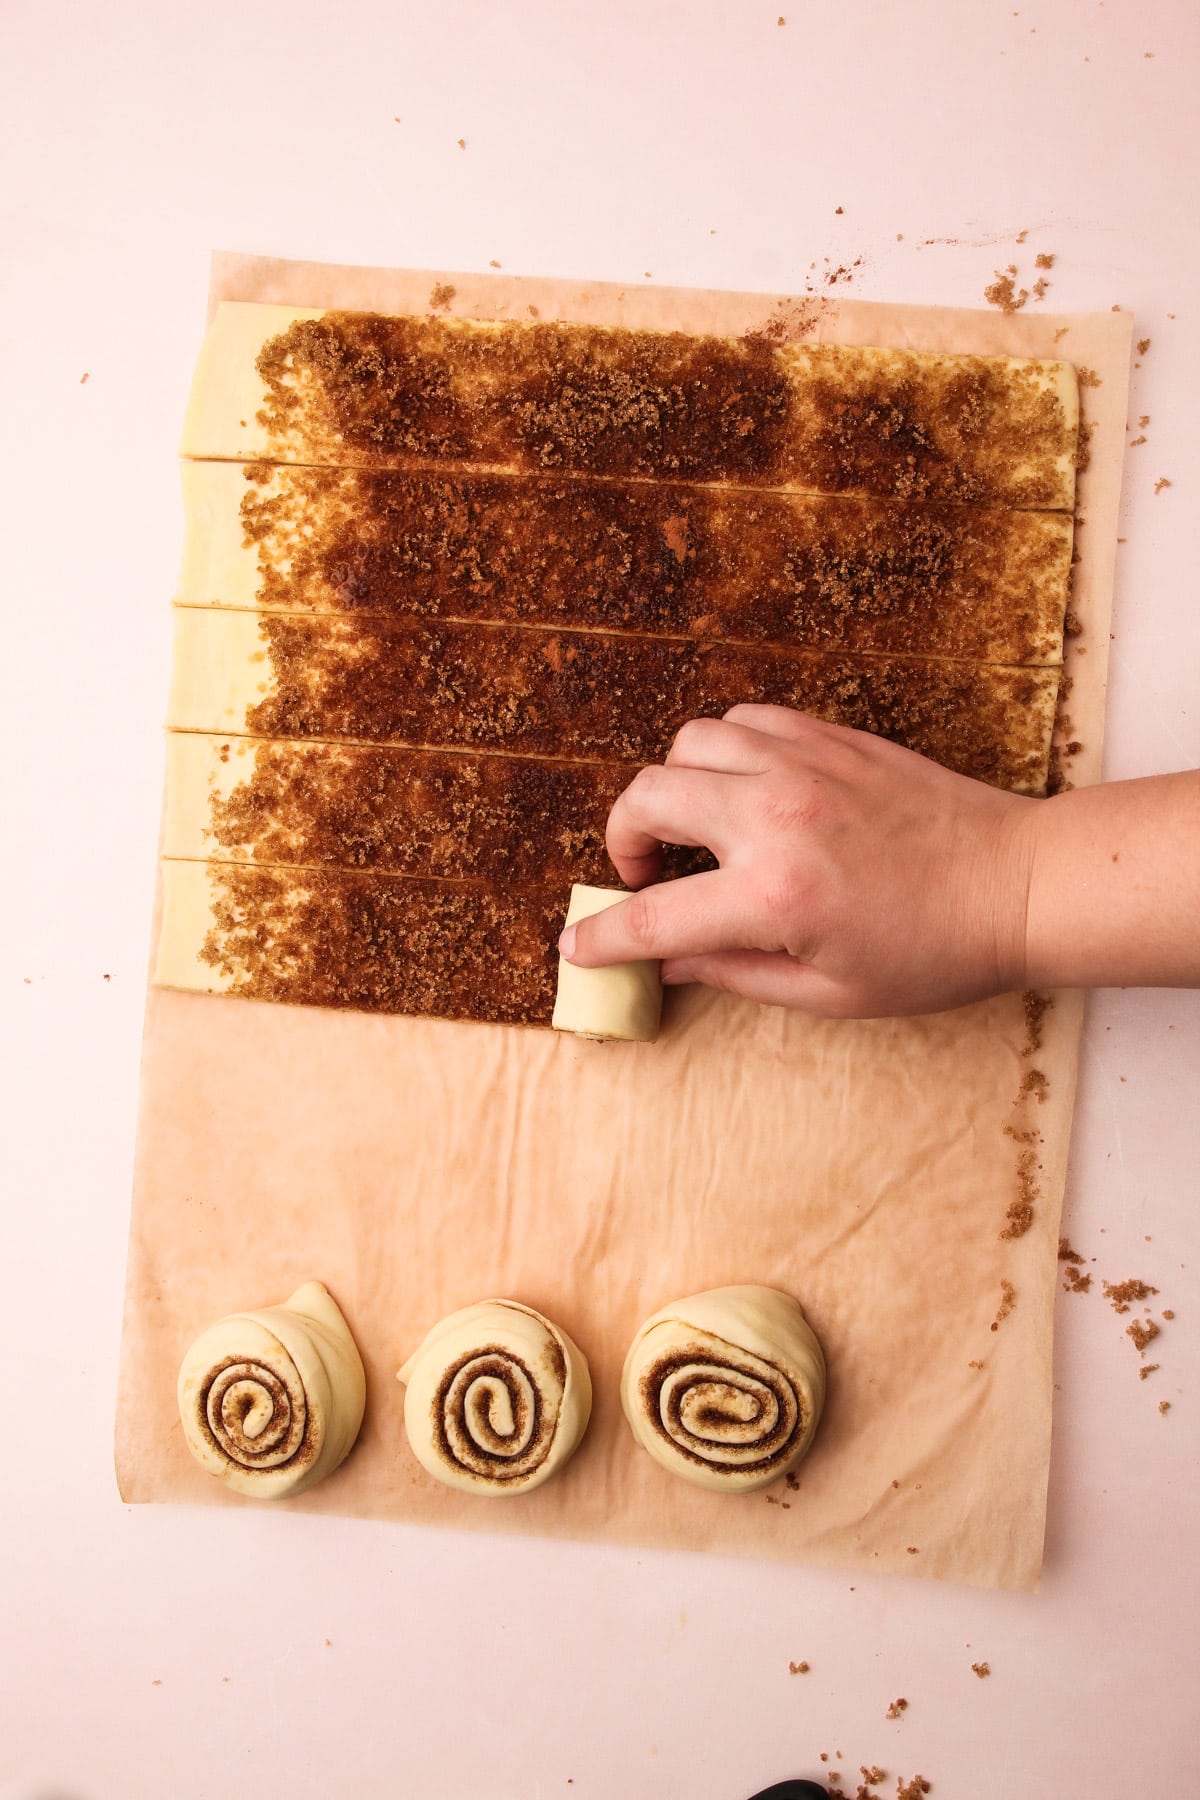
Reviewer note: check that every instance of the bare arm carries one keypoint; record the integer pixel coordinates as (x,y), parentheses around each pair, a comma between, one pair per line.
(858,879)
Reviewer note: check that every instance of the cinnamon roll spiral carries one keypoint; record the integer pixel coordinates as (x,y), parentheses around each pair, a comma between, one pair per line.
(272,1401)
(496,1398)
(725,1388)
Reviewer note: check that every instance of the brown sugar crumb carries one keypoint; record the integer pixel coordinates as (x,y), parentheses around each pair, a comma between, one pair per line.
(1134,442)
(1036,1007)
(914,1789)
(440,296)
(1075,1281)
(782,21)
(1088,378)
(1039,288)
(1144,419)
(83,378)
(1061,332)
(493,264)
(896,1708)
(1121,1294)
(1020,1212)
(1167,1313)
(1162,483)
(1035,1083)
(838,209)
(872,1776)
(1143,344)
(797,1668)
(1008,1299)
(1148,1369)
(1003,294)
(1043,260)
(1164,1406)
(982,1669)
(974,1365)
(462,143)
(1066,1253)
(912,1550)
(1142,1334)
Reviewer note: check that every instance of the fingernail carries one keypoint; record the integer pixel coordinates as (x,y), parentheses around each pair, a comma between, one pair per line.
(566,943)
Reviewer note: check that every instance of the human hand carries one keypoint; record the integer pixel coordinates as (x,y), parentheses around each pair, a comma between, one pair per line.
(856,879)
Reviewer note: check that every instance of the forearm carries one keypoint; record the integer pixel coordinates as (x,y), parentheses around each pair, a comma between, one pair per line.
(1114,885)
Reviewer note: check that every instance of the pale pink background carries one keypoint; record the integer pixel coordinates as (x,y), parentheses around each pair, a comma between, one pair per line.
(152,1652)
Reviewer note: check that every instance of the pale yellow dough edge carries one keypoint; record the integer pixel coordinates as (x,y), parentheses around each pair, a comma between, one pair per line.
(308,1332)
(761,1321)
(503,1325)
(622,1002)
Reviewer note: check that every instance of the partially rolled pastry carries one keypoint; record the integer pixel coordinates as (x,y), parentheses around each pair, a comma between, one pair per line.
(725,1388)
(272,1401)
(621,1001)
(497,1398)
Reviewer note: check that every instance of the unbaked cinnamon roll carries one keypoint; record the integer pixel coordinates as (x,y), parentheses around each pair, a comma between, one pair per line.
(725,1388)
(496,1398)
(272,1401)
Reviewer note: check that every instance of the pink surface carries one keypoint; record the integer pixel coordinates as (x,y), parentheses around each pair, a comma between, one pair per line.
(157,1652)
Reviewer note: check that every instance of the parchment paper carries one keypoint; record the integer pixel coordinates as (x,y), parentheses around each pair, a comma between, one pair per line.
(869,1168)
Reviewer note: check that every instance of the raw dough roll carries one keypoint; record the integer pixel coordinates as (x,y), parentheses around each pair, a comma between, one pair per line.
(725,1388)
(623,1001)
(497,1398)
(272,1401)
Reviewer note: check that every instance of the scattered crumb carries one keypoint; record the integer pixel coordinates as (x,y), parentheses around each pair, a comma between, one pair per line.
(1142,1334)
(1164,1406)
(1043,260)
(1035,1083)
(440,295)
(156,1684)
(224,1678)
(1022,235)
(328,1644)
(1002,293)
(872,1776)
(983,1670)
(896,1708)
(1008,1299)
(838,209)
(649,276)
(1134,442)
(493,264)
(1066,1253)
(974,1365)
(83,378)
(1143,344)
(533,312)
(1168,1313)
(1114,307)
(462,143)
(1088,378)
(799,1668)
(1147,1369)
(1121,1293)
(912,1550)
(1061,332)
(1144,420)
(793,1481)
(899,237)
(1075,1281)
(108,978)
(1162,483)
(1039,288)
(781,20)
(912,1790)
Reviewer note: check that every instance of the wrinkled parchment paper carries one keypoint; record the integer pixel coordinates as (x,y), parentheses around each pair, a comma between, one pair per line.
(415,1166)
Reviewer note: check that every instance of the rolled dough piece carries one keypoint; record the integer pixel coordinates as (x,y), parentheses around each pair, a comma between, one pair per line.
(285,384)
(623,1001)
(496,1399)
(725,1389)
(272,1401)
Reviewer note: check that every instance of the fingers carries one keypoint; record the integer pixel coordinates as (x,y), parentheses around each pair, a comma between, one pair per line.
(791,727)
(694,916)
(771,977)
(667,806)
(720,745)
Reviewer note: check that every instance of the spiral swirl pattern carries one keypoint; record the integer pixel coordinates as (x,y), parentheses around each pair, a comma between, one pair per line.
(257,1414)
(271,1401)
(497,1398)
(725,1388)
